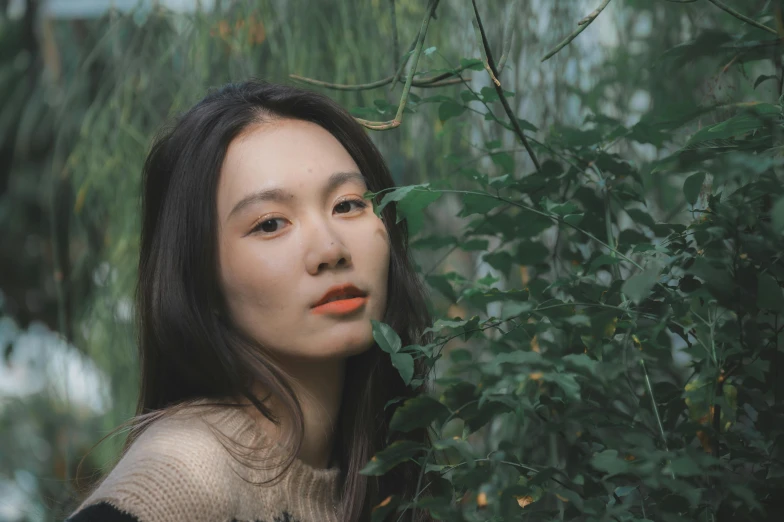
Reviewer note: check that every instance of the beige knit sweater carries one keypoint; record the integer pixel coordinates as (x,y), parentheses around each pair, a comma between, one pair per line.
(179,471)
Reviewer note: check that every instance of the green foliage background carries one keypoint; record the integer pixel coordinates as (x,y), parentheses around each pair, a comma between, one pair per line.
(608,332)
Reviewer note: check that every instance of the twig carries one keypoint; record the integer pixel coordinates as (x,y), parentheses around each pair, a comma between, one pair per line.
(435,81)
(431,8)
(508,35)
(484,46)
(399,71)
(739,16)
(395,44)
(491,68)
(585,22)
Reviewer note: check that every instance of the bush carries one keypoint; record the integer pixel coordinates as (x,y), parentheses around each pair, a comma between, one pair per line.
(629,367)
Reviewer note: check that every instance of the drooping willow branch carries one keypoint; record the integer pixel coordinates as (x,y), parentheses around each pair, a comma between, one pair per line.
(739,16)
(395,45)
(490,66)
(585,22)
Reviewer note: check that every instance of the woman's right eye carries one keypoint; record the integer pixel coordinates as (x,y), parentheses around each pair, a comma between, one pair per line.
(268,226)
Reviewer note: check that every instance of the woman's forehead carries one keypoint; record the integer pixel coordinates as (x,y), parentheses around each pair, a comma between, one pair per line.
(287,148)
(282,160)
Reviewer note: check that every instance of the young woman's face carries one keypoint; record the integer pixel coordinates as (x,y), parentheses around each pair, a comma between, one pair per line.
(291,226)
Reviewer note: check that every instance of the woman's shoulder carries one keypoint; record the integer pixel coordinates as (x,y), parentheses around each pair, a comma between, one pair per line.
(177,469)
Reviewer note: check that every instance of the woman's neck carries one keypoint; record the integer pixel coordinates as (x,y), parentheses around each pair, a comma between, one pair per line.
(318,384)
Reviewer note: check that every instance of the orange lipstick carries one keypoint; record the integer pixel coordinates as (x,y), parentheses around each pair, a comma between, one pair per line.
(341,306)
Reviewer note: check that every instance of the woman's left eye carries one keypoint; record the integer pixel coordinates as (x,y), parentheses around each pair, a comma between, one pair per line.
(346,204)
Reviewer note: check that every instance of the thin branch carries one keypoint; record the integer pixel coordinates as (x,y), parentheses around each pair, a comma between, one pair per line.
(431,8)
(435,81)
(585,22)
(491,68)
(395,44)
(739,16)
(399,71)
(484,46)
(508,36)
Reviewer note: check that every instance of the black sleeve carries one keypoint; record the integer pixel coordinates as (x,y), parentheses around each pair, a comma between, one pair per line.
(102,512)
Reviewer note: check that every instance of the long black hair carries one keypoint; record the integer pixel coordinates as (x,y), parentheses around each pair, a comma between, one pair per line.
(188,352)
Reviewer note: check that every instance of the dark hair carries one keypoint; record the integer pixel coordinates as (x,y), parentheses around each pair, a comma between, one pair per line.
(187,352)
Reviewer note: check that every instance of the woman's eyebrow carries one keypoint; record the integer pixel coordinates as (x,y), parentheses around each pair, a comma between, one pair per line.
(278,194)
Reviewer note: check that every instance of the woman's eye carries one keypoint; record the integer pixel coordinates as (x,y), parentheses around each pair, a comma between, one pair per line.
(347,205)
(268,226)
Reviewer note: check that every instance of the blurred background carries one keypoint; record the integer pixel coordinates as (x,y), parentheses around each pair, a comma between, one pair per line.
(84,85)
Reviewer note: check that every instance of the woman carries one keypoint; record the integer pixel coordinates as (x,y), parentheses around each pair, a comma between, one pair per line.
(262,391)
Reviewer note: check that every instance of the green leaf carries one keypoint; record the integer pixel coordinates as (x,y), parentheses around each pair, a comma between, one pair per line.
(513,309)
(573,219)
(411,208)
(441,283)
(560,209)
(609,462)
(600,261)
(639,286)
(396,453)
(754,118)
(717,278)
(777,215)
(404,364)
(527,125)
(769,294)
(622,491)
(527,358)
(692,187)
(531,253)
(499,260)
(449,110)
(504,161)
(473,245)
(477,204)
(764,77)
(418,412)
(502,182)
(462,446)
(746,494)
(640,216)
(472,64)
(396,195)
(469,96)
(386,338)
(566,382)
(582,362)
(489,94)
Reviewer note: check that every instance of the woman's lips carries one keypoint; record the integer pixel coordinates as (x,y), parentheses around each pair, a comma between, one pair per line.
(341,306)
